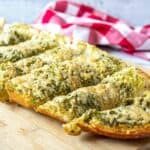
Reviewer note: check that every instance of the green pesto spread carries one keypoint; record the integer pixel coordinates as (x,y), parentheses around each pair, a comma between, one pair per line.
(129,116)
(36,45)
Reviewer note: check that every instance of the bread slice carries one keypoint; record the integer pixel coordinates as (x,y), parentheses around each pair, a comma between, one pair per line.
(124,122)
(128,121)
(16,33)
(38,44)
(113,91)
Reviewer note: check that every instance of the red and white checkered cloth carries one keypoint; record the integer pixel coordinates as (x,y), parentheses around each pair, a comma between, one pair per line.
(85,23)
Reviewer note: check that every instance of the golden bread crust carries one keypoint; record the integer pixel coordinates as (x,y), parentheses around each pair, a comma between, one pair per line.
(17,97)
(49,113)
(135,133)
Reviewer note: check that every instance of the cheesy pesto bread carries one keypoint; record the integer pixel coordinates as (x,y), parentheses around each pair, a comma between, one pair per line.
(58,79)
(16,33)
(74,82)
(126,122)
(111,92)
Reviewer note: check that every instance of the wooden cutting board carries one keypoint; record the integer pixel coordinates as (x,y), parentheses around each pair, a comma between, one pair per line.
(23,129)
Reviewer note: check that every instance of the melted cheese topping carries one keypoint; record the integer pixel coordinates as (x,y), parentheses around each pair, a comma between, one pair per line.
(124,117)
(36,45)
(143,101)
(130,116)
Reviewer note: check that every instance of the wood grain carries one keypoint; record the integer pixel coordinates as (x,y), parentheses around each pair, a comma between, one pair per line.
(24,129)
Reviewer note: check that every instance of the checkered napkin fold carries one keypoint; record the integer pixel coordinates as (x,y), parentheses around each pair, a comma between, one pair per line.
(86,23)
